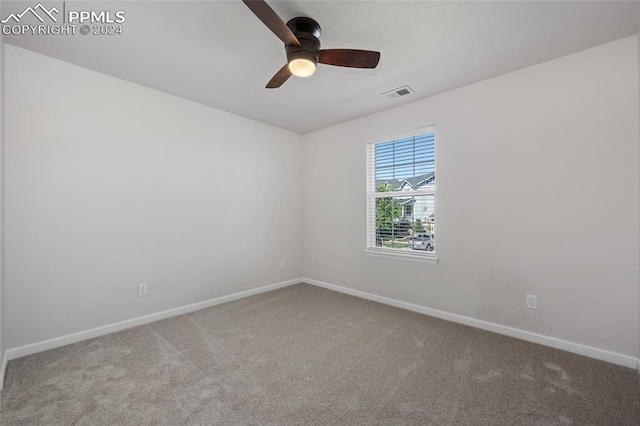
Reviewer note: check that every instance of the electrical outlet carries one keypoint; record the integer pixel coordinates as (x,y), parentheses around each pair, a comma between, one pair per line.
(532,301)
(143,290)
(282,263)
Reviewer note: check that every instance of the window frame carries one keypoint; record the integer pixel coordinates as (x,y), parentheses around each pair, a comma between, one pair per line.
(371,196)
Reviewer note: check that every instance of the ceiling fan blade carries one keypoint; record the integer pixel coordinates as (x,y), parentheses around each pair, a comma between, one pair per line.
(280,77)
(271,19)
(351,58)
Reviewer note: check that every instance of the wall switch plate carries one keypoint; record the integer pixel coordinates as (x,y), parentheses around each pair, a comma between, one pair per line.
(143,290)
(532,301)
(282,263)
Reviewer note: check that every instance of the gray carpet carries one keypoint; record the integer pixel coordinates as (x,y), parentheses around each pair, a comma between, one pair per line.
(309,356)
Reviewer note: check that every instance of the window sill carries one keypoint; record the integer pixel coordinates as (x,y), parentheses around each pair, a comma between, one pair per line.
(422,258)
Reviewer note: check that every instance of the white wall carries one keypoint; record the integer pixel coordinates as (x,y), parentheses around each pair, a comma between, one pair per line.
(2,323)
(538,193)
(109,184)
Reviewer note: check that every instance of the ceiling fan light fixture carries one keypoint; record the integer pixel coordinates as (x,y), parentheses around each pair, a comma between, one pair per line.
(301,37)
(302,67)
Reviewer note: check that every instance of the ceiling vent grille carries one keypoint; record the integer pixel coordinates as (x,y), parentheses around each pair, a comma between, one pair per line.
(396,93)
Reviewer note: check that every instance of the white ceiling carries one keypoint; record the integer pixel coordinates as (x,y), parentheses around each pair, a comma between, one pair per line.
(218,53)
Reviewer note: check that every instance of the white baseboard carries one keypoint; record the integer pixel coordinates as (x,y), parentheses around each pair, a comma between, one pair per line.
(57,342)
(578,348)
(3,368)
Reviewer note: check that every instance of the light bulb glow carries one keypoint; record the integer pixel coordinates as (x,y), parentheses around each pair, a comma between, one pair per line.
(302,67)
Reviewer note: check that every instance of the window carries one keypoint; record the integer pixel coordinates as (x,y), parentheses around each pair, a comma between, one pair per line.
(401,186)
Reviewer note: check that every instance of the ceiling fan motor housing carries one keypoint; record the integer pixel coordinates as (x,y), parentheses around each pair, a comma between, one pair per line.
(307,31)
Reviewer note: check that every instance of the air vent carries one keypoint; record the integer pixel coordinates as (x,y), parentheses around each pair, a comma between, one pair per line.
(396,93)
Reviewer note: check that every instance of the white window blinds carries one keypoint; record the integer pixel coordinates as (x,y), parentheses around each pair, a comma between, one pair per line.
(401,186)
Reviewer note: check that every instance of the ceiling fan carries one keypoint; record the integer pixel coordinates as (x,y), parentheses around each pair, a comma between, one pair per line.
(301,37)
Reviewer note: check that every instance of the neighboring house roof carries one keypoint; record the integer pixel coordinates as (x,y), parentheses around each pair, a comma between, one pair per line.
(414,182)
(404,201)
